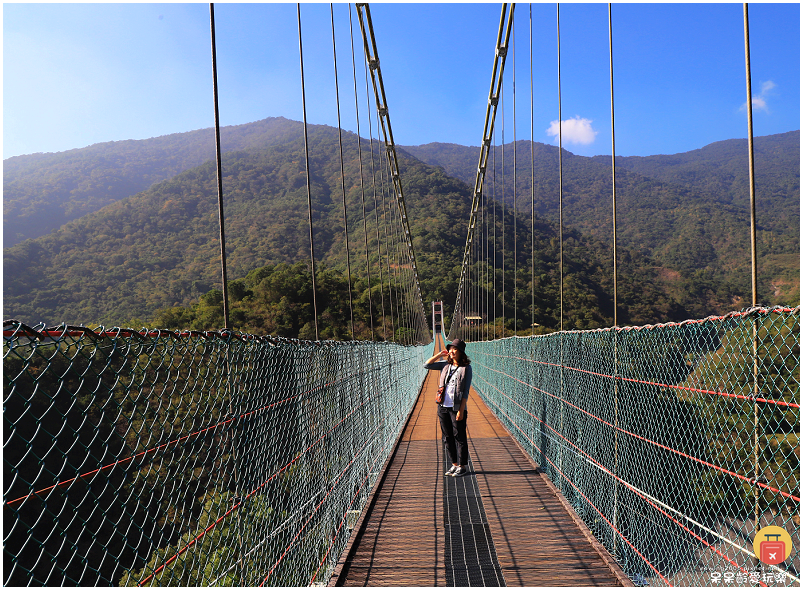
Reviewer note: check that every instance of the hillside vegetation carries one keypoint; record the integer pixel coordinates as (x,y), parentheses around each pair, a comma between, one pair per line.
(42,192)
(142,243)
(690,212)
(158,249)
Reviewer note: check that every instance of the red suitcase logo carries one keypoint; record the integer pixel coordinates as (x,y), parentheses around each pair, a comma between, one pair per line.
(773,552)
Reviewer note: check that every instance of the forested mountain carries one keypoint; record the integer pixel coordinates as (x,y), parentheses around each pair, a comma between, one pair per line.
(143,235)
(42,192)
(158,249)
(689,212)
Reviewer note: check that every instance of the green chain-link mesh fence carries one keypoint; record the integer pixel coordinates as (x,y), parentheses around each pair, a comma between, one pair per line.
(191,459)
(669,441)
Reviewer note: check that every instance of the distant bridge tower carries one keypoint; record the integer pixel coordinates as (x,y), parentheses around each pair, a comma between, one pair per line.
(437,311)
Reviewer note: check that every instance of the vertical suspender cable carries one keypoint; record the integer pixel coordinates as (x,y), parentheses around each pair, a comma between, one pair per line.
(560,231)
(487,247)
(484,304)
(393,264)
(405,281)
(344,192)
(468,293)
(614,250)
(226,312)
(475,278)
(375,198)
(514,126)
(398,263)
(406,284)
(474,266)
(468,306)
(483,292)
(751,160)
(392,261)
(613,165)
(219,175)
(503,206)
(753,270)
(389,244)
(308,178)
(398,300)
(361,176)
(533,233)
(560,178)
(494,239)
(402,312)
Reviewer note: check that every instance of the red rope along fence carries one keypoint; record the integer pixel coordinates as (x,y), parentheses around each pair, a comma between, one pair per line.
(668,440)
(191,458)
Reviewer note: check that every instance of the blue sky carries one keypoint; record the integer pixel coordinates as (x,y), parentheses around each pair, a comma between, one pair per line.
(79,74)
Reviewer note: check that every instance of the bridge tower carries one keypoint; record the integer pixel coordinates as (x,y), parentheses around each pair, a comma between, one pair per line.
(437,311)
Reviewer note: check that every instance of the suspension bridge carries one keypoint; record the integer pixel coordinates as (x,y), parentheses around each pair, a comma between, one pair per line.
(649,455)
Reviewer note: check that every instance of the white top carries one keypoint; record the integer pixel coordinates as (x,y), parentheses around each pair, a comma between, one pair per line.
(450,389)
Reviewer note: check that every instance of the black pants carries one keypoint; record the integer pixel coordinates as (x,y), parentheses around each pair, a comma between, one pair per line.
(455,435)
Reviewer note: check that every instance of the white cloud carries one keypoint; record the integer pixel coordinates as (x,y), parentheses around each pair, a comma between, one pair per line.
(760,100)
(575,130)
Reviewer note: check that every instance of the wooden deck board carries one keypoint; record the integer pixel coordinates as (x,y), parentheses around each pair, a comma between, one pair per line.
(401,537)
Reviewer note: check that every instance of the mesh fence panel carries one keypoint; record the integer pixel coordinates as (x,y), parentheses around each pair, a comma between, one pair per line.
(191,459)
(669,441)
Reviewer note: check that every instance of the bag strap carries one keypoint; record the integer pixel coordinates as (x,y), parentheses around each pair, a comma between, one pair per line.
(450,376)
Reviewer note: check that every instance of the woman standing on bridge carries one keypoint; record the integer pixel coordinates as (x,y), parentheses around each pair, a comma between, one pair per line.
(456,378)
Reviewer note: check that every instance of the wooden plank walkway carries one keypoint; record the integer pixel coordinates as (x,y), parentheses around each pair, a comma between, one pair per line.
(399,539)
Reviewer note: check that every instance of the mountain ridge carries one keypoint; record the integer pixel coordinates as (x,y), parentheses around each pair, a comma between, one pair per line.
(704,249)
(158,249)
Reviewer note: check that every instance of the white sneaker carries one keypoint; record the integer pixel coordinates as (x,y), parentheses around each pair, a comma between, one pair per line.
(452,470)
(460,471)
